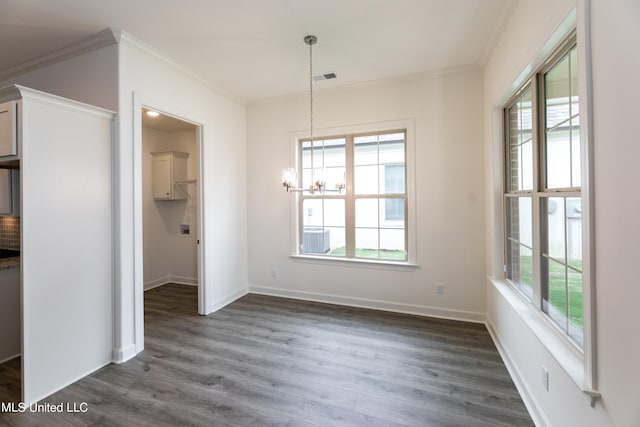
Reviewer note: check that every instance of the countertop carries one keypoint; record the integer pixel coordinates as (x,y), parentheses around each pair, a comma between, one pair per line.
(8,263)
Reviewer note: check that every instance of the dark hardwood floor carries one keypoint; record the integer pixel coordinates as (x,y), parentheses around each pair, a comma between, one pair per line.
(265,361)
(10,381)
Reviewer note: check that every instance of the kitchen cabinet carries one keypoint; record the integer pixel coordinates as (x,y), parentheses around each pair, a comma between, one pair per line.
(9,192)
(169,175)
(8,128)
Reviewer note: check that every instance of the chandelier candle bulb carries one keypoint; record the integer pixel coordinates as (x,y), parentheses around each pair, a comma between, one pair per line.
(289,178)
(319,182)
(341,184)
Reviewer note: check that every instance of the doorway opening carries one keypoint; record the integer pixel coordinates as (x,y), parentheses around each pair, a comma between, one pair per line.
(170,171)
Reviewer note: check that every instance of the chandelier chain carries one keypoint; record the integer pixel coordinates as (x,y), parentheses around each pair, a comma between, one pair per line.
(311,102)
(289,176)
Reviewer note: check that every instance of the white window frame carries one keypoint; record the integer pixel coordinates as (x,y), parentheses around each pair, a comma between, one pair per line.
(579,364)
(408,125)
(540,191)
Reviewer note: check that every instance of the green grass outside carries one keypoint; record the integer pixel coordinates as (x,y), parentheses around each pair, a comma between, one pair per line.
(557,293)
(372,253)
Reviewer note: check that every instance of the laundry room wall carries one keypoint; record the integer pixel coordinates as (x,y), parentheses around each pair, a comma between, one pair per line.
(169,255)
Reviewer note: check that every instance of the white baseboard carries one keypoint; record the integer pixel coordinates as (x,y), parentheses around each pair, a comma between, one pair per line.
(121,355)
(419,310)
(222,302)
(527,397)
(33,400)
(155,283)
(190,281)
(10,358)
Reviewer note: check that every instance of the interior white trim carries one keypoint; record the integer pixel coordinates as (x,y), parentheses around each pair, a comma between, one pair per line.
(182,113)
(585,79)
(539,419)
(555,342)
(565,27)
(405,78)
(505,18)
(65,385)
(10,358)
(93,42)
(396,307)
(156,283)
(15,92)
(178,280)
(149,50)
(121,355)
(223,302)
(355,262)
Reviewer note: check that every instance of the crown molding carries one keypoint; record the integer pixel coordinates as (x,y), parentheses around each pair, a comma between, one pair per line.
(101,39)
(153,52)
(399,79)
(505,17)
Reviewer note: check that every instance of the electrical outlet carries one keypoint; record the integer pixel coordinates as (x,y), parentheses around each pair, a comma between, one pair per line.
(545,378)
(274,272)
(439,288)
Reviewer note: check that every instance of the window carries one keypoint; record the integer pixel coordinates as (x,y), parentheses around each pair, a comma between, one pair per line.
(519,236)
(561,218)
(543,193)
(394,183)
(367,220)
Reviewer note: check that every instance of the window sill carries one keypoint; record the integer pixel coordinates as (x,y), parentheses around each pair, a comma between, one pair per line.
(358,263)
(570,359)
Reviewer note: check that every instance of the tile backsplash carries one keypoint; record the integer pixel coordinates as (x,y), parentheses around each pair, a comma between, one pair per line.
(10,232)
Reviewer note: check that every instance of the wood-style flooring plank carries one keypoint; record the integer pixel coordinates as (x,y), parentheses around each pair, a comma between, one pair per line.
(266,361)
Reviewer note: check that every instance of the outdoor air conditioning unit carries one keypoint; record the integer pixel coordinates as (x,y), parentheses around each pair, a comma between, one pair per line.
(315,241)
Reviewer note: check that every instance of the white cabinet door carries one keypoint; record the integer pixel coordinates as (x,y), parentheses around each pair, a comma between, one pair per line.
(5,192)
(162,179)
(8,125)
(169,172)
(9,192)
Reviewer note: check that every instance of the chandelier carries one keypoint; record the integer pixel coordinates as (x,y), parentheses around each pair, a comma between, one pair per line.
(290,175)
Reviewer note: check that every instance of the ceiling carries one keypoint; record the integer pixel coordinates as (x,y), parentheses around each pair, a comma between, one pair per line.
(253,49)
(165,123)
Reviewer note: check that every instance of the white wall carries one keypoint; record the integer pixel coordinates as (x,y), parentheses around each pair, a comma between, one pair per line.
(91,78)
(143,75)
(449,196)
(169,256)
(615,69)
(66,242)
(111,77)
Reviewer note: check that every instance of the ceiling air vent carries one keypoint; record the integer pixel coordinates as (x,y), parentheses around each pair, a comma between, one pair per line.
(327,76)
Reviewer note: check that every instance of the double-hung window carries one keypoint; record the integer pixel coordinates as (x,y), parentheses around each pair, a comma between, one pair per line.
(368,218)
(519,192)
(543,193)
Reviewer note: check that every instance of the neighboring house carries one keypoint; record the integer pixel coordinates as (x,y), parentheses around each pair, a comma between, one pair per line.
(249,222)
